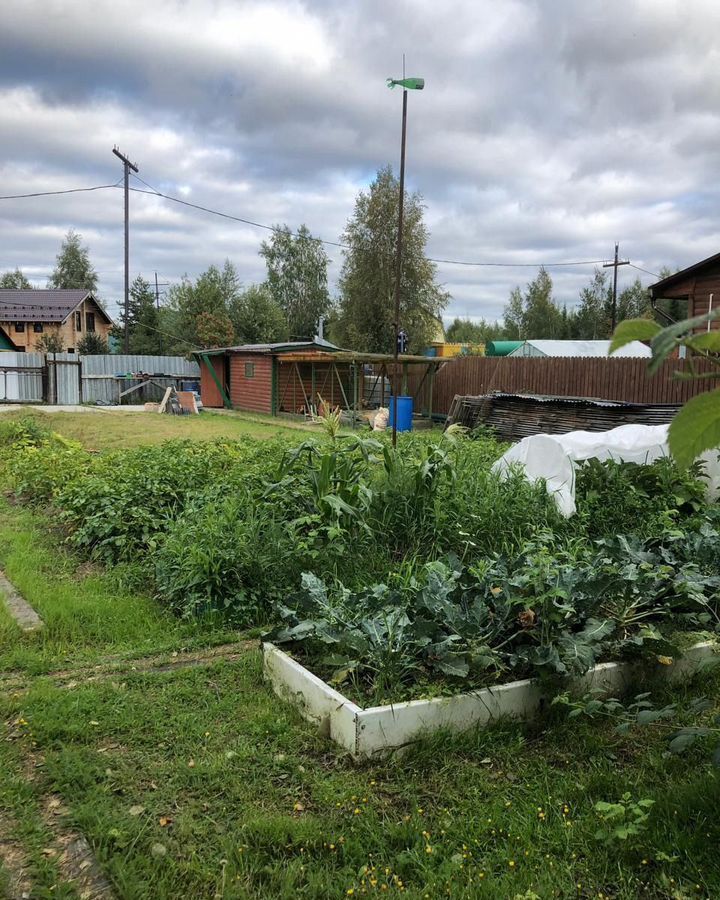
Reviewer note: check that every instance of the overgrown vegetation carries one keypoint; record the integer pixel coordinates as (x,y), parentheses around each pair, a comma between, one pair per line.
(227,793)
(395,572)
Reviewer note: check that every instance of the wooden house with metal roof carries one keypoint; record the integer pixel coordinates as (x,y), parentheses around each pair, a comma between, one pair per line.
(697,287)
(27,314)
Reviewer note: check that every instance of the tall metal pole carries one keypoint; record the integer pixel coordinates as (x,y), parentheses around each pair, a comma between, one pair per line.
(398,268)
(127,165)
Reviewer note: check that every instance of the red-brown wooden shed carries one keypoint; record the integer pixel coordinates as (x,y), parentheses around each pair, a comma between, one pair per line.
(290,378)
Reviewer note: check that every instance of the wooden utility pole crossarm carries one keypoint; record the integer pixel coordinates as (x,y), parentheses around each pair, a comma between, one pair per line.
(614,266)
(127,165)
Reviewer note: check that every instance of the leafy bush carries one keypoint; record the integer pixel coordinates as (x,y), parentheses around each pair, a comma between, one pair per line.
(36,459)
(230,556)
(646,499)
(542,612)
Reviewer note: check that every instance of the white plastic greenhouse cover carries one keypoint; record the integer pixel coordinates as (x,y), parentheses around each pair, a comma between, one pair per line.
(552,457)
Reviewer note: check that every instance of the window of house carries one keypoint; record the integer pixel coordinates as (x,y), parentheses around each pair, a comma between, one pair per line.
(90,321)
(38,327)
(70,349)
(19,328)
(249,370)
(78,321)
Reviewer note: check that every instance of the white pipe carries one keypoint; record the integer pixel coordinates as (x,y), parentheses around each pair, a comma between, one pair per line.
(710,309)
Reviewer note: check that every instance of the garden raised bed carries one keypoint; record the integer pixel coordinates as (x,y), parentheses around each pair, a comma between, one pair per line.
(366,732)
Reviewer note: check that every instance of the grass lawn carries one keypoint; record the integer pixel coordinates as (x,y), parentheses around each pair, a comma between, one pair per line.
(199,783)
(87,611)
(107,429)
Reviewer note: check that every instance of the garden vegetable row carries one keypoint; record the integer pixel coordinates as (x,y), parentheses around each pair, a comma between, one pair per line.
(395,572)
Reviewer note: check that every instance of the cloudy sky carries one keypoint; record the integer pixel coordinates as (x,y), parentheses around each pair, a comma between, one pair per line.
(548,130)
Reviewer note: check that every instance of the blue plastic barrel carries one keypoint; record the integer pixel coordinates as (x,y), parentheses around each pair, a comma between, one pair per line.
(404,413)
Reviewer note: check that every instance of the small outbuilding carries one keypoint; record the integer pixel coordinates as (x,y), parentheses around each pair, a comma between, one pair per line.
(291,377)
(698,287)
(545,348)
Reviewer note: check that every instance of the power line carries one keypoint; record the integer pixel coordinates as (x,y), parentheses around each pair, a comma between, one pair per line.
(97,187)
(455,262)
(646,271)
(152,191)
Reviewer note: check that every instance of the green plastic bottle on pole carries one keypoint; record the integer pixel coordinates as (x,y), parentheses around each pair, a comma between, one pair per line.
(410,84)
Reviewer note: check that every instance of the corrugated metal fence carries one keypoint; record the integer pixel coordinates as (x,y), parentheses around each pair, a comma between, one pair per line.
(23,377)
(68,379)
(624,379)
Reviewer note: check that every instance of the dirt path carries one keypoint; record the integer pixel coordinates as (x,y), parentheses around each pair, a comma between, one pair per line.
(113,666)
(69,850)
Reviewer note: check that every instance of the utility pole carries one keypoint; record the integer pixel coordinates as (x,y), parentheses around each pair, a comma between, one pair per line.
(157,304)
(614,265)
(127,165)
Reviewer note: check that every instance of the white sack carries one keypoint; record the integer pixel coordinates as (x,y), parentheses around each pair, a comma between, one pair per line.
(552,457)
(380,422)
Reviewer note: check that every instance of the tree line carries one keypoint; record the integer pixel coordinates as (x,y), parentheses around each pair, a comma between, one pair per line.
(216,309)
(535,313)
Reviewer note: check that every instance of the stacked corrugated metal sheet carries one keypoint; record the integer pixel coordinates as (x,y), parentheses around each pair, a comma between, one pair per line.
(515,416)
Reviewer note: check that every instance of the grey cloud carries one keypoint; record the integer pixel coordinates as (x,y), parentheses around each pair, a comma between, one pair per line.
(543,135)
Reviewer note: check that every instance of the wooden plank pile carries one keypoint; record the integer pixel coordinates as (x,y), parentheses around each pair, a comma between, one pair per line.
(515,416)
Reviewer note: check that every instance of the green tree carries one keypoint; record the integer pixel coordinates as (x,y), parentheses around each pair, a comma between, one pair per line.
(50,342)
(464,331)
(514,316)
(533,314)
(73,268)
(367,281)
(16,280)
(593,315)
(143,320)
(634,303)
(214,330)
(257,318)
(542,318)
(297,278)
(213,292)
(92,344)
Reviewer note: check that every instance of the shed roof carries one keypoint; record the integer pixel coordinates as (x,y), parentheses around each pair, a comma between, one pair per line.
(581,348)
(283,347)
(45,305)
(712,263)
(5,342)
